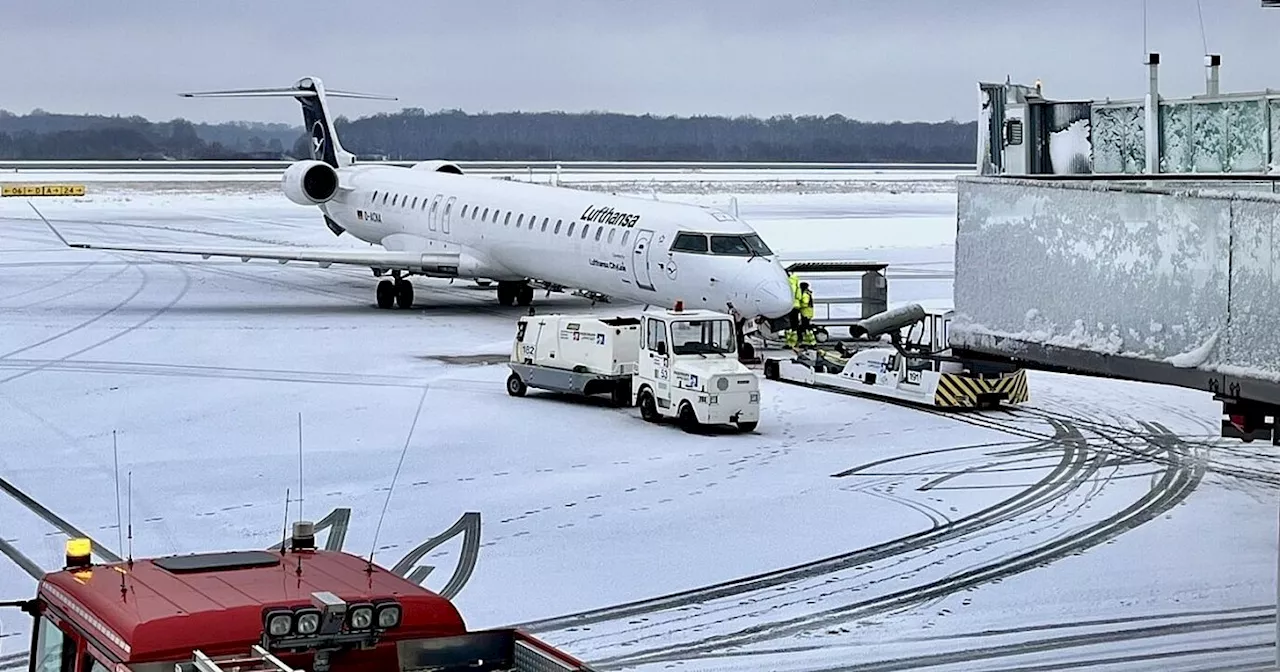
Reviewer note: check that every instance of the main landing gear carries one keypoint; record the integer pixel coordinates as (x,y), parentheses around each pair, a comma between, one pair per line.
(511,293)
(398,292)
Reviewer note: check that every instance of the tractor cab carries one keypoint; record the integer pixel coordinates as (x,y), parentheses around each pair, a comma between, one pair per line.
(288,610)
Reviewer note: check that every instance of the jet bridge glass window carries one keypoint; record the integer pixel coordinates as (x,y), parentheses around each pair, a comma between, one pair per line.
(690,242)
(702,337)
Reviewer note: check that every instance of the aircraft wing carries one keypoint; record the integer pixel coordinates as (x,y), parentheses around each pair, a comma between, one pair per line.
(387,260)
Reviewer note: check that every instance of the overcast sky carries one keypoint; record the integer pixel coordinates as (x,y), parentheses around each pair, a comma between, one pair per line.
(866,59)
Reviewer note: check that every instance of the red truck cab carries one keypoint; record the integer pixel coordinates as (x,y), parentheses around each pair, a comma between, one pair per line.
(295,609)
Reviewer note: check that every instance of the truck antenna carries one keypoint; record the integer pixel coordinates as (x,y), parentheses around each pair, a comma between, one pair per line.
(403,451)
(115,456)
(130,499)
(300,466)
(284,537)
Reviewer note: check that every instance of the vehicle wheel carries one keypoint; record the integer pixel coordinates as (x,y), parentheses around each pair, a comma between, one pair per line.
(404,294)
(484,283)
(515,386)
(771,367)
(622,395)
(747,351)
(748,426)
(386,294)
(688,419)
(648,408)
(506,294)
(821,335)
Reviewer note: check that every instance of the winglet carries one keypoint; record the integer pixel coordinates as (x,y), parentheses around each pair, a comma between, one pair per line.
(51,228)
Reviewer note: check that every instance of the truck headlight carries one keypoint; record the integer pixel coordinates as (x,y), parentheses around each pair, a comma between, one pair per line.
(722,384)
(279,623)
(308,622)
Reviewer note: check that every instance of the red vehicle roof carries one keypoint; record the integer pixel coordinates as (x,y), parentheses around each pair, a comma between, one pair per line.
(215,602)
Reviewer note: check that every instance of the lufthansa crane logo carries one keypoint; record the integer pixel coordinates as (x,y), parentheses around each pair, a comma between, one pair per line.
(317,141)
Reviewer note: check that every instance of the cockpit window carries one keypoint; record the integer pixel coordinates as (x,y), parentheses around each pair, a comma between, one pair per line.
(757,245)
(690,242)
(726,244)
(734,245)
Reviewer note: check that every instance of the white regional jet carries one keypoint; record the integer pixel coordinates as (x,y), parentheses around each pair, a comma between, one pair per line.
(431,220)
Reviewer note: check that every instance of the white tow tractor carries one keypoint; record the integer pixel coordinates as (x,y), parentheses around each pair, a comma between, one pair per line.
(680,364)
(917,369)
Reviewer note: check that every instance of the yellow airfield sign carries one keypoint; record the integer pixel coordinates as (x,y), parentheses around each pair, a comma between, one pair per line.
(42,190)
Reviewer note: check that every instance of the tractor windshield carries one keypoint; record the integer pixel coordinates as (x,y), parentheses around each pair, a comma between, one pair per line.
(702,337)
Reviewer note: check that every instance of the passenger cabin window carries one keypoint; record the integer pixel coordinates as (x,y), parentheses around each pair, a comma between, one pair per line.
(690,242)
(625,235)
(55,650)
(464,211)
(586,228)
(415,202)
(506,221)
(485,215)
(599,231)
(374,197)
(384,197)
(545,222)
(569,233)
(558,223)
(611,232)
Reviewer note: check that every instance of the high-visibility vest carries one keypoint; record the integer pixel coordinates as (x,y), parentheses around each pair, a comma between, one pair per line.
(806,304)
(795,290)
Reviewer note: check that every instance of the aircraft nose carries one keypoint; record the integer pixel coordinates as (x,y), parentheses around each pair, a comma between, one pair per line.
(772,297)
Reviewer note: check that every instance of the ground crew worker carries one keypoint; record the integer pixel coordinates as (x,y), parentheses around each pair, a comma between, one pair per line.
(806,315)
(793,328)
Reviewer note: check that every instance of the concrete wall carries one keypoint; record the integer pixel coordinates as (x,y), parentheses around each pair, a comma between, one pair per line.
(1185,278)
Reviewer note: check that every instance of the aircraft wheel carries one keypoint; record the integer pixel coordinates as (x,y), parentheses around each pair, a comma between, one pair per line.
(524,295)
(506,294)
(386,294)
(404,294)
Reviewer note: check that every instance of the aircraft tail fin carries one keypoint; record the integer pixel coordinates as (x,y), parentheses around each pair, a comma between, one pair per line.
(311,94)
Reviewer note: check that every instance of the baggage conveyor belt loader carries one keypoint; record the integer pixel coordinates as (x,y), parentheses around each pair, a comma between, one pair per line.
(917,369)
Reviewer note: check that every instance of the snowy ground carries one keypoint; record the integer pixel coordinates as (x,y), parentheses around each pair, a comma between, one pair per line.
(844,534)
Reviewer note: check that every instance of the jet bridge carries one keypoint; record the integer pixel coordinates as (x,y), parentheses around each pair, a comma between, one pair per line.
(1142,280)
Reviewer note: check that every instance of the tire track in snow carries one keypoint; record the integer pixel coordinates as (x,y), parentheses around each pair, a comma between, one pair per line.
(1071,463)
(1177,482)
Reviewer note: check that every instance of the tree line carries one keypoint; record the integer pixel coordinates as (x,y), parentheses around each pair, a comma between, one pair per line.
(414,134)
